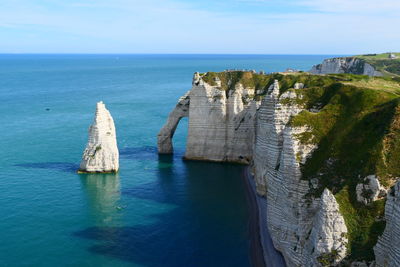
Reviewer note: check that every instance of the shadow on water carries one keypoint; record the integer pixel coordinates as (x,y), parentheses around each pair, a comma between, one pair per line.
(164,188)
(60,166)
(207,226)
(148,153)
(144,153)
(166,159)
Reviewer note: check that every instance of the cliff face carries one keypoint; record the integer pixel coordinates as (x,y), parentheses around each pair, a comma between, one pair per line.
(322,149)
(272,118)
(387,251)
(221,122)
(350,65)
(101,152)
(305,231)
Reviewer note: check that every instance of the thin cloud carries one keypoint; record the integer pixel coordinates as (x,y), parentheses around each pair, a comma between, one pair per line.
(337,6)
(354,6)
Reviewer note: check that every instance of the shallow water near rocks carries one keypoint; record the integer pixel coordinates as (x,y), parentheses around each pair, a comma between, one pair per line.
(158,210)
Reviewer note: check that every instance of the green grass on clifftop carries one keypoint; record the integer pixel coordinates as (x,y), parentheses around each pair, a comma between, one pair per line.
(232,78)
(377,56)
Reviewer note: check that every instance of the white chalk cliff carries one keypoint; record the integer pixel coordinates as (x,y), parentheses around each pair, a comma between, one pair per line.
(101,152)
(294,221)
(387,249)
(345,65)
(231,126)
(328,235)
(167,132)
(221,123)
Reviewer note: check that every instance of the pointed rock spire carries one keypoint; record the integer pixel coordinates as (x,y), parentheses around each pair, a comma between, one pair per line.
(101,152)
(329,233)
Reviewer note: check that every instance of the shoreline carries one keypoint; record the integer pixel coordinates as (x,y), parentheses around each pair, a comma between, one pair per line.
(256,249)
(262,250)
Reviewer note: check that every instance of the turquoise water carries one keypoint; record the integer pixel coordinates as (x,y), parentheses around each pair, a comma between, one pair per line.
(157,211)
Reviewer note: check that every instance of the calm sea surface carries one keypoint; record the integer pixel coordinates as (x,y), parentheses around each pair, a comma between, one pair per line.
(157,211)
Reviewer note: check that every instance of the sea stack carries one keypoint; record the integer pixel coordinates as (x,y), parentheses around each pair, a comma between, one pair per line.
(101,152)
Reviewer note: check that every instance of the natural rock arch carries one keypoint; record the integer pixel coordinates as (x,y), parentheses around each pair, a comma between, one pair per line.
(166,133)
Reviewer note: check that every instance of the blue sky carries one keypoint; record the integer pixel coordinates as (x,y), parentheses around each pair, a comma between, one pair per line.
(208,26)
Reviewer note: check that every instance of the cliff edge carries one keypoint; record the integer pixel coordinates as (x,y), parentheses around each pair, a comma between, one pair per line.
(387,64)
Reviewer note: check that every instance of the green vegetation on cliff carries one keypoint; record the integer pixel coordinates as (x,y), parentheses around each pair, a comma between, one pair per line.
(377,56)
(357,132)
(355,122)
(382,63)
(229,79)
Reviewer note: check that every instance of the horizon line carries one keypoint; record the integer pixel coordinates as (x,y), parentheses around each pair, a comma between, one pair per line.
(228,54)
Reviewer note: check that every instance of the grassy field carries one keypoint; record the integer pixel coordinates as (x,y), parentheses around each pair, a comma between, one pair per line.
(377,56)
(380,84)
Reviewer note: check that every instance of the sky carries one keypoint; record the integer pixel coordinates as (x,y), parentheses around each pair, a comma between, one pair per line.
(207,26)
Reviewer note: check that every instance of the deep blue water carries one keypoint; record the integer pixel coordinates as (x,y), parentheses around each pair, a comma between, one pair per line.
(157,211)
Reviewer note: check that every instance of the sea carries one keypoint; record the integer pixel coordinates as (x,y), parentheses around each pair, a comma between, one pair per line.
(158,210)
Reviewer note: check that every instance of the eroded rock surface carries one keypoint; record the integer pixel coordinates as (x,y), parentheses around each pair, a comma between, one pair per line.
(272,119)
(101,153)
(370,190)
(166,134)
(387,249)
(298,86)
(221,123)
(345,65)
(304,230)
(329,233)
